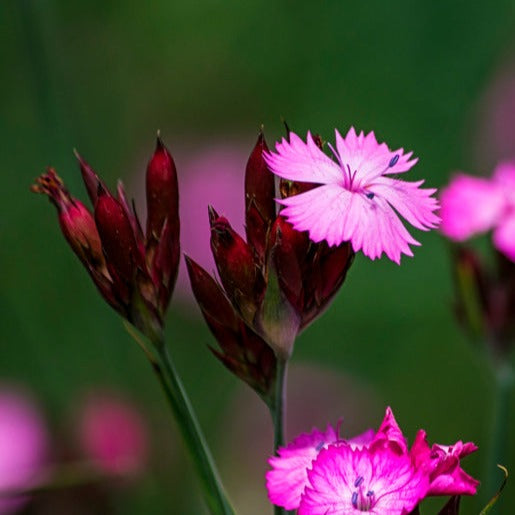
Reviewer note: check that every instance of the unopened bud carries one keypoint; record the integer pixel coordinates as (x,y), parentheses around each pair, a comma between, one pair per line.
(116,235)
(259,198)
(162,193)
(239,274)
(77,223)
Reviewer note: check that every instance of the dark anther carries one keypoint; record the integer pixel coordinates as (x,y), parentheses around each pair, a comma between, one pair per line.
(393,160)
(358,481)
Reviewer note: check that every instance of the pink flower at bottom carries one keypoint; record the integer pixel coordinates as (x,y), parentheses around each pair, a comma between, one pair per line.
(347,481)
(356,198)
(320,473)
(473,205)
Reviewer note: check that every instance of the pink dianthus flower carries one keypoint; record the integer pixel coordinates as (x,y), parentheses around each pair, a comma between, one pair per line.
(320,472)
(357,200)
(472,205)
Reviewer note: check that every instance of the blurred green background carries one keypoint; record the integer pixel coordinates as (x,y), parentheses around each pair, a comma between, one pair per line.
(103,76)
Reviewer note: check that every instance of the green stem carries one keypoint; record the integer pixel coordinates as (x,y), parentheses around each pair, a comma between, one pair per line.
(214,494)
(499,432)
(277,411)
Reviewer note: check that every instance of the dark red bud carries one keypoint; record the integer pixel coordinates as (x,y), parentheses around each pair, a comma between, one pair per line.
(210,297)
(234,259)
(77,223)
(90,178)
(165,265)
(132,215)
(117,238)
(259,198)
(329,269)
(162,193)
(290,248)
(243,352)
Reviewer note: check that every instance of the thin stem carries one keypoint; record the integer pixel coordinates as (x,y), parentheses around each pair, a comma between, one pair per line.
(279,406)
(215,496)
(277,411)
(499,433)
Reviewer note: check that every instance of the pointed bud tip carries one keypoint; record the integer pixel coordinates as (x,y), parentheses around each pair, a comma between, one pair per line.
(101,191)
(160,146)
(213,215)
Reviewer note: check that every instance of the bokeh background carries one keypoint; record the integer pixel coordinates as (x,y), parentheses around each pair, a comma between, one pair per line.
(103,76)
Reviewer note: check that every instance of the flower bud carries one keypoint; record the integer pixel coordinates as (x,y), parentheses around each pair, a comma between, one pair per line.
(77,223)
(117,238)
(162,193)
(259,199)
(243,352)
(240,276)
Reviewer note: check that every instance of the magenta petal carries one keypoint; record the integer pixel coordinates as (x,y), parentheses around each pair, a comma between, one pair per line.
(461,217)
(441,464)
(346,481)
(362,440)
(390,435)
(304,162)
(289,475)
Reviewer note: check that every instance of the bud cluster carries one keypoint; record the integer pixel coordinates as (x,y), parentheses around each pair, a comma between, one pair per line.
(134,270)
(273,283)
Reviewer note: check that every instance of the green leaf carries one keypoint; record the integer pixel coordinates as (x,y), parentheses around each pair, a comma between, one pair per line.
(495,498)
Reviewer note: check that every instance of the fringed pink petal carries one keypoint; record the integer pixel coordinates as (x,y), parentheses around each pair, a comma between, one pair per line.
(304,162)
(415,204)
(289,475)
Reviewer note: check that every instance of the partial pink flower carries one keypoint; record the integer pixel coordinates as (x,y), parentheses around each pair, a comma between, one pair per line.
(306,477)
(113,434)
(23,447)
(473,205)
(289,475)
(356,201)
(346,480)
(390,435)
(442,464)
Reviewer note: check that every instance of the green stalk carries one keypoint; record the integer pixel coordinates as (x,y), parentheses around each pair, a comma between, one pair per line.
(193,437)
(503,374)
(186,419)
(277,410)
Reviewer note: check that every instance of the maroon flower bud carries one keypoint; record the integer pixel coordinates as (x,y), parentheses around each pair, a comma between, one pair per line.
(242,351)
(117,238)
(79,229)
(162,193)
(291,247)
(234,259)
(77,223)
(324,278)
(134,273)
(259,199)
